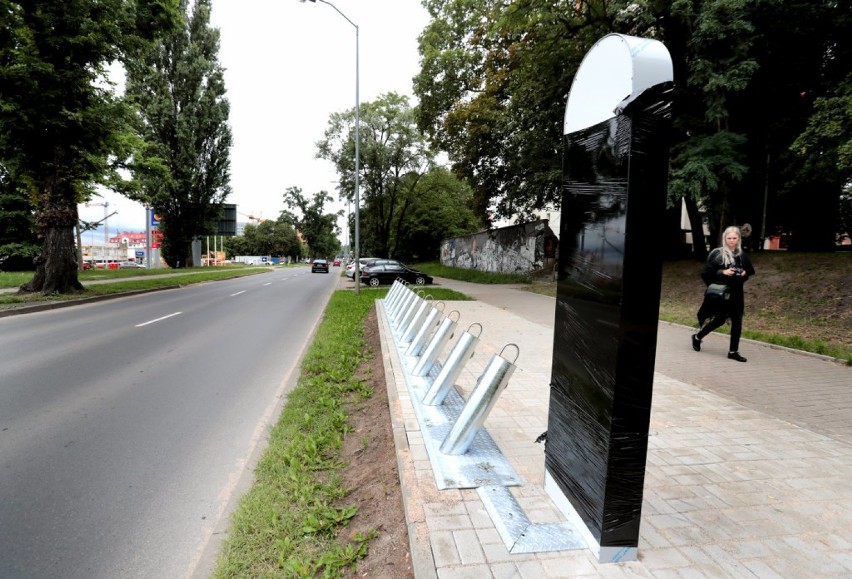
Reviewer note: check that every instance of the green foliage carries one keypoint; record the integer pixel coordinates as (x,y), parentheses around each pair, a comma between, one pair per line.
(183,165)
(62,129)
(752,78)
(440,207)
(471,275)
(276,238)
(393,157)
(318,229)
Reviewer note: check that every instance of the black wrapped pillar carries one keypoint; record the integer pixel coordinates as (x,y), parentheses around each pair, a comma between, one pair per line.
(614,193)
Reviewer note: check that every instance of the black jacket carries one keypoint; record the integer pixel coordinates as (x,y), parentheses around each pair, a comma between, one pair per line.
(712,273)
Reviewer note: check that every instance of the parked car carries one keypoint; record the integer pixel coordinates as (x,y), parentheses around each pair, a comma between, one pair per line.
(350,269)
(378,273)
(319,265)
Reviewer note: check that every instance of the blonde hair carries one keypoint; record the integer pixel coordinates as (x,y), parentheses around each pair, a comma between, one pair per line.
(728,256)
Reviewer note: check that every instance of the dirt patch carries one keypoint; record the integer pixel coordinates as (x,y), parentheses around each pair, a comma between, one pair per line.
(372,474)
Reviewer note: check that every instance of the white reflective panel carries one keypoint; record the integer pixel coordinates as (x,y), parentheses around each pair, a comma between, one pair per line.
(617,69)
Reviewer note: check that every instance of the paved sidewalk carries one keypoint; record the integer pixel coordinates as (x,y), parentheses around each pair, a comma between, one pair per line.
(749,465)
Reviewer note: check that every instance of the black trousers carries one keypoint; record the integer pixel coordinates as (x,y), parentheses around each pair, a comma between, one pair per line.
(734,310)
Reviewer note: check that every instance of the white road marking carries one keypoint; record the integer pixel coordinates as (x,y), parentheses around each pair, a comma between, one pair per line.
(238,293)
(158,319)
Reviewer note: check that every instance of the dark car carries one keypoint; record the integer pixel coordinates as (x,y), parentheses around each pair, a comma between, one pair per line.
(388,271)
(319,265)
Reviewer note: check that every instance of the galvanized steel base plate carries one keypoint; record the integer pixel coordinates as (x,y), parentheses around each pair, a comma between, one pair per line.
(482,465)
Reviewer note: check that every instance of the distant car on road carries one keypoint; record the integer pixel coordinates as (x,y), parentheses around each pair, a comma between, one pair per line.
(319,265)
(336,262)
(386,273)
(130,265)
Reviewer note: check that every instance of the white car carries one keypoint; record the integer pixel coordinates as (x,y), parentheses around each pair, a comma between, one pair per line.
(350,269)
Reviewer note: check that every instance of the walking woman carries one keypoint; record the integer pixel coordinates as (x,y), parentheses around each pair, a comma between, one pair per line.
(726,265)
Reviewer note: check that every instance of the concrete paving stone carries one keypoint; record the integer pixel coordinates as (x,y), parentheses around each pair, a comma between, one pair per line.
(844,559)
(506,571)
(488,536)
(719,524)
(472,572)
(650,537)
(530,569)
(685,536)
(468,546)
(660,522)
(479,517)
(448,522)
(760,569)
(714,556)
(811,558)
(570,564)
(443,549)
(666,558)
(497,553)
(444,509)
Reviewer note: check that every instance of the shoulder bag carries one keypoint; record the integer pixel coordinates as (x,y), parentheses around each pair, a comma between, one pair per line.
(717,291)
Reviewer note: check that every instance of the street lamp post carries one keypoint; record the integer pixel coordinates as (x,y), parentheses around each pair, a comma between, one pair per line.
(357,151)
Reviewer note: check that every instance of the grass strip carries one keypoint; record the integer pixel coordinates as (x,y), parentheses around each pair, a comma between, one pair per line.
(286,526)
(434,268)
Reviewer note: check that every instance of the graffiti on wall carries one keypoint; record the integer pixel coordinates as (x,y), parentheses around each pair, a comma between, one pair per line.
(515,249)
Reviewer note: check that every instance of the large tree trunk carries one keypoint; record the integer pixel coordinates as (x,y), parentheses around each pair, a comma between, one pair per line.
(56,266)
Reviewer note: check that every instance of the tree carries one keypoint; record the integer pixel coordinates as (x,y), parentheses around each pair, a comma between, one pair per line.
(441,208)
(394,154)
(495,78)
(62,129)
(184,165)
(270,237)
(18,240)
(318,229)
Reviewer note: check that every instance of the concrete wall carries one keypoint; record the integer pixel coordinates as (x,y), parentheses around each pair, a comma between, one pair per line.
(514,249)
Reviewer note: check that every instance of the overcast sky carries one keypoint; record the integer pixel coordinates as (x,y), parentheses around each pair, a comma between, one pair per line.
(289,65)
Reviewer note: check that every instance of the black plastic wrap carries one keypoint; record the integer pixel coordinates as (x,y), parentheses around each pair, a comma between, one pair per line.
(607,306)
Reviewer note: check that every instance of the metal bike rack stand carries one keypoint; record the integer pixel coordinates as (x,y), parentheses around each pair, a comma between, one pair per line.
(452,367)
(407,307)
(432,320)
(400,288)
(433,350)
(393,294)
(489,386)
(409,314)
(413,327)
(401,308)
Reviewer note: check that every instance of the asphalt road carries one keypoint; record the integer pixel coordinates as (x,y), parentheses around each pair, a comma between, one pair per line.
(128,426)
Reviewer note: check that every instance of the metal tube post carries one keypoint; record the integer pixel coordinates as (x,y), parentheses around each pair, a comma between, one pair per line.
(490,385)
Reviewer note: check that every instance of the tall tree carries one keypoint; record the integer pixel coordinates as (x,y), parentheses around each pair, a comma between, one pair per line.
(270,237)
(751,76)
(184,165)
(18,240)
(394,154)
(62,128)
(441,208)
(319,229)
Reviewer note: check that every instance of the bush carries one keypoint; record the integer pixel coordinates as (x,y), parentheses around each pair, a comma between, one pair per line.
(18,256)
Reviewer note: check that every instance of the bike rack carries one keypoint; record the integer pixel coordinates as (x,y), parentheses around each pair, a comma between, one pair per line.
(418,343)
(491,383)
(439,340)
(452,367)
